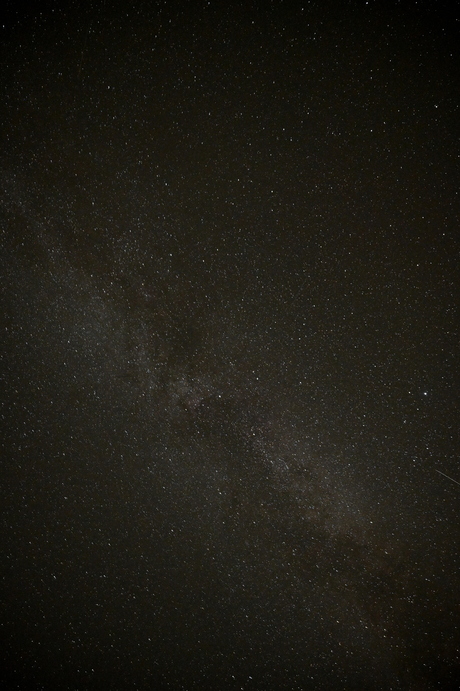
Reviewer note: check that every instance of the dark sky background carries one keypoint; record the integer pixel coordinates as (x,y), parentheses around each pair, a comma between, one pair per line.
(230,346)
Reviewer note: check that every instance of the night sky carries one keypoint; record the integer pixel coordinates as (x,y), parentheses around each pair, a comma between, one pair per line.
(230,346)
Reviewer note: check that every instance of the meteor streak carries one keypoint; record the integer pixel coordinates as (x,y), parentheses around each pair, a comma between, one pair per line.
(449,478)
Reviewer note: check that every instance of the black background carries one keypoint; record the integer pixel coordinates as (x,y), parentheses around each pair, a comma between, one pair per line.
(230,270)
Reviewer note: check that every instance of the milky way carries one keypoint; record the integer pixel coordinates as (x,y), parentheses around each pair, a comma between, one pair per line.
(230,277)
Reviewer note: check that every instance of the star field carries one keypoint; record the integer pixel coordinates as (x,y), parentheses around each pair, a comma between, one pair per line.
(230,270)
